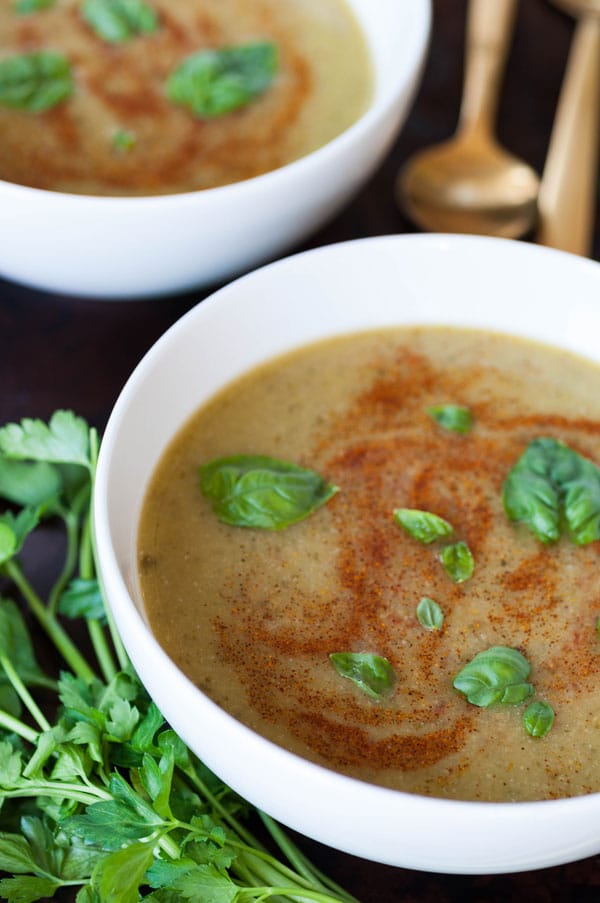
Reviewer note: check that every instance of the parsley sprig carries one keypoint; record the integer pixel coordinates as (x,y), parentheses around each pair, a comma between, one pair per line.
(97,793)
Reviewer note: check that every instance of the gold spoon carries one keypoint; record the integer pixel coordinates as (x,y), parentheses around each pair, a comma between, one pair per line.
(469,183)
(568,188)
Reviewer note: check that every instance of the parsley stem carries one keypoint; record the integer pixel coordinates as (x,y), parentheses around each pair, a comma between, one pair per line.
(59,789)
(23,693)
(46,619)
(216,804)
(105,659)
(15,725)
(87,572)
(290,893)
(71,521)
(298,859)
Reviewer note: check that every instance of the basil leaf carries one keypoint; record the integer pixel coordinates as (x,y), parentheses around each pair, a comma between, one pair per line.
(25,7)
(453,417)
(36,81)
(259,491)
(497,675)
(373,674)
(538,718)
(215,82)
(116,21)
(529,494)
(458,561)
(552,486)
(123,141)
(429,614)
(422,525)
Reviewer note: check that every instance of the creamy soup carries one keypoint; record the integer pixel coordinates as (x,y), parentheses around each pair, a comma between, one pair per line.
(119,133)
(253,615)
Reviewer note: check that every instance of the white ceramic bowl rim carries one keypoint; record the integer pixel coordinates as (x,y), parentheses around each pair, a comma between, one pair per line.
(502,837)
(377,110)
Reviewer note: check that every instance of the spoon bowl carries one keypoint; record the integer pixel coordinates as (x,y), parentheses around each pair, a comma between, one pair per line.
(470,185)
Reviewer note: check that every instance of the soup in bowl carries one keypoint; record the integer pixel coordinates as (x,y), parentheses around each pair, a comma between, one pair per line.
(346,518)
(156,151)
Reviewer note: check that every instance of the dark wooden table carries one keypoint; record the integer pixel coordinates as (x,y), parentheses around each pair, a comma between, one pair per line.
(68,352)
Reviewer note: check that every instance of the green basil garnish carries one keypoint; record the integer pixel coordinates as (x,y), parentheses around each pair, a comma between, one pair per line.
(497,675)
(123,141)
(429,614)
(552,487)
(214,82)
(453,417)
(258,491)
(422,525)
(117,21)
(538,718)
(35,81)
(373,674)
(458,561)
(25,7)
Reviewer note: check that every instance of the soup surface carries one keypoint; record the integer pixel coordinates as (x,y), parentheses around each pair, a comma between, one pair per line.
(252,615)
(119,133)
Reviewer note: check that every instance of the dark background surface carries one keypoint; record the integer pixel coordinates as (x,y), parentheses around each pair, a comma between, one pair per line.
(67,352)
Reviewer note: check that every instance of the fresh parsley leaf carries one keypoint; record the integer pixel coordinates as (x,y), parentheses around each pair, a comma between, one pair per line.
(422,525)
(65,439)
(497,675)
(453,417)
(82,599)
(538,718)
(458,562)
(164,873)
(35,81)
(214,82)
(206,882)
(20,526)
(16,645)
(11,765)
(29,483)
(27,889)
(373,674)
(118,876)
(111,825)
(258,491)
(116,21)
(551,485)
(429,614)
(15,854)
(8,542)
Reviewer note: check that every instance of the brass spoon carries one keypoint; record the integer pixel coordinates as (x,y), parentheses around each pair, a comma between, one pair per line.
(567,192)
(469,183)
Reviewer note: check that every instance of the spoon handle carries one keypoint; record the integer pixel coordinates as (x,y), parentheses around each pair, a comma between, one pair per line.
(489,31)
(569,180)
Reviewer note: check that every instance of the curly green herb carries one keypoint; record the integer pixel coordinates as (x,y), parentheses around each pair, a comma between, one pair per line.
(102,797)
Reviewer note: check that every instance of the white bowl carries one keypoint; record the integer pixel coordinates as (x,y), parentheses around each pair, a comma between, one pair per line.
(116,247)
(458,280)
